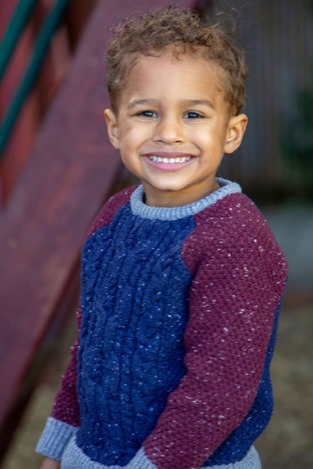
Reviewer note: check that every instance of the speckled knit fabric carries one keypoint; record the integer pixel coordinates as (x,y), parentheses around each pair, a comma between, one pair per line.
(178,318)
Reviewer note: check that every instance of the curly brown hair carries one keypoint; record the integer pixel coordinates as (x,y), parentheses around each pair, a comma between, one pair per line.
(180,31)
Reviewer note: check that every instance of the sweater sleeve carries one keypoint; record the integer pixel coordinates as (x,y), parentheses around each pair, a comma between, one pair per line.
(64,420)
(233,299)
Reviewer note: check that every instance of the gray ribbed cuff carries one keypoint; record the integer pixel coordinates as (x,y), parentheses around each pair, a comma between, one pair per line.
(54,438)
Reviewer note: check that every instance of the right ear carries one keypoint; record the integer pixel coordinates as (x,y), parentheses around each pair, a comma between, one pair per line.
(112,128)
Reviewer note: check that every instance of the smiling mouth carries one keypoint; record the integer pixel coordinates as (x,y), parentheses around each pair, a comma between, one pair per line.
(177,160)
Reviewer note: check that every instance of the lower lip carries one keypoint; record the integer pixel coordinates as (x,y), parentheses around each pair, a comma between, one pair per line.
(168,167)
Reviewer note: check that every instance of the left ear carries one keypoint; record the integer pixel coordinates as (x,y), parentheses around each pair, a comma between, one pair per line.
(235,131)
(112,128)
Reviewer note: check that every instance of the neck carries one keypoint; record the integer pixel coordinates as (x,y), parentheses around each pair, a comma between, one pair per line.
(174,199)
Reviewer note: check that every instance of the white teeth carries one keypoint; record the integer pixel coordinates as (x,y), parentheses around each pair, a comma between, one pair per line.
(159,159)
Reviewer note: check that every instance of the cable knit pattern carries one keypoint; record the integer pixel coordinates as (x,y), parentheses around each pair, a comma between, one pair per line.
(178,326)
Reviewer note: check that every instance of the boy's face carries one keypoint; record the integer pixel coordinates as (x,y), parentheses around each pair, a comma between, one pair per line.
(173,127)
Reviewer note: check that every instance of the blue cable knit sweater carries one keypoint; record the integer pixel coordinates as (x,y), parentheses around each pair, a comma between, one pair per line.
(179,310)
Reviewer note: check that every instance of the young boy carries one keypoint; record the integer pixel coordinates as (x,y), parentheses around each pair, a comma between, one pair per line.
(182,280)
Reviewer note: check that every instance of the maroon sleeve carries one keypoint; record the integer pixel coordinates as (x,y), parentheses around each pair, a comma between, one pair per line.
(237,287)
(107,213)
(66,407)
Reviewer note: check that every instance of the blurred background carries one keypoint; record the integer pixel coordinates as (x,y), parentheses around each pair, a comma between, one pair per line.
(57,168)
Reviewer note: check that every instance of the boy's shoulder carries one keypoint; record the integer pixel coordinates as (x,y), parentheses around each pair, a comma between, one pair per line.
(232,223)
(109,209)
(233,213)
(232,230)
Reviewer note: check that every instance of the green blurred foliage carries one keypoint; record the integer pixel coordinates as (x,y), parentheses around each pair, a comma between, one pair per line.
(298,138)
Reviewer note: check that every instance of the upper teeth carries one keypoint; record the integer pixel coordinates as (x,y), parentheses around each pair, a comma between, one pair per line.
(159,159)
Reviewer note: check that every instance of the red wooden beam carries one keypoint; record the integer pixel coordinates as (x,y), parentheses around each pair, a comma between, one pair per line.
(72,169)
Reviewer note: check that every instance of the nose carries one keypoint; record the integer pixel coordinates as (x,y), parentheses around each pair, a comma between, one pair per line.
(168,130)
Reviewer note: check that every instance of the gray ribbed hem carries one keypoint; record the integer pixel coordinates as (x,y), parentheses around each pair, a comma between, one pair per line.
(141,461)
(75,458)
(174,213)
(54,438)
(250,461)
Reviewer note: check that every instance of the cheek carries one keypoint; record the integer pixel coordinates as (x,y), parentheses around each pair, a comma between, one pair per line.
(129,153)
(208,137)
(131,137)
(202,137)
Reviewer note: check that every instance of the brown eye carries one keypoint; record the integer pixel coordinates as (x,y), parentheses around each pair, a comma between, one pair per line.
(147,114)
(192,115)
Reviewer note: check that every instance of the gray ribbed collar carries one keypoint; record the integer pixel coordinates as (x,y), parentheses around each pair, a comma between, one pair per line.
(174,213)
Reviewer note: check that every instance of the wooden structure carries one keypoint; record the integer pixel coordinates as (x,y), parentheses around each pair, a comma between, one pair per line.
(41,53)
(71,171)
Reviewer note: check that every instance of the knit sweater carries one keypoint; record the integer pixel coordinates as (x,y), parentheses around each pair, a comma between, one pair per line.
(177,320)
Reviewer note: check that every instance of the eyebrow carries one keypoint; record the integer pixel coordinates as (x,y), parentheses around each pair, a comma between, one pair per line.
(197,102)
(186,102)
(140,102)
